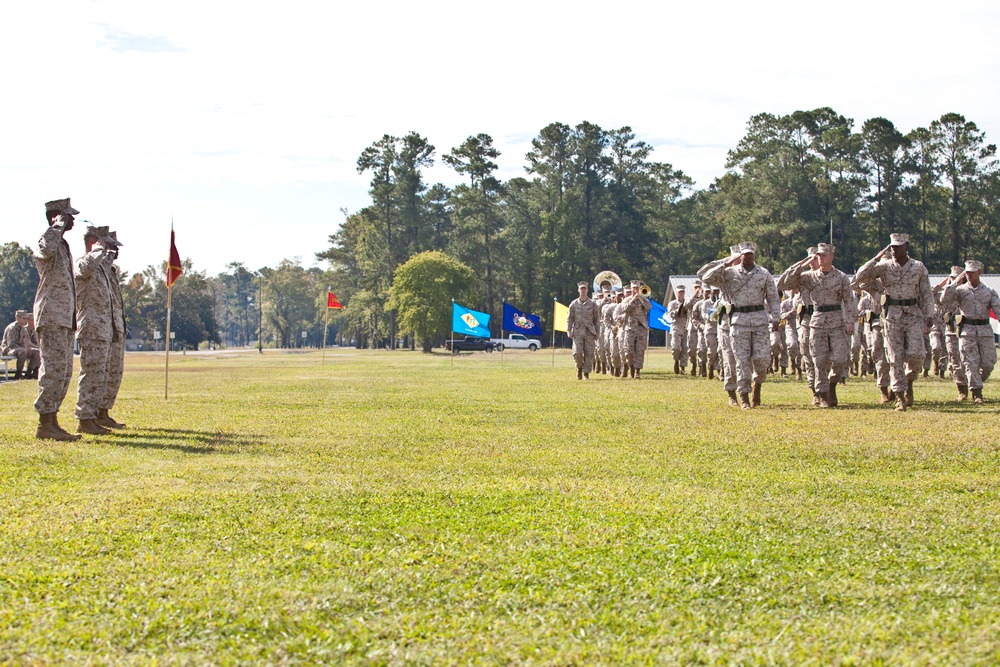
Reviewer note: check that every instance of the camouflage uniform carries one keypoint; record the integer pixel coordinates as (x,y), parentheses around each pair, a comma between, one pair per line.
(55,317)
(116,356)
(791,334)
(834,310)
(680,316)
(909,301)
(709,345)
(608,332)
(17,342)
(692,329)
(94,314)
(979,354)
(871,311)
(582,325)
(747,291)
(939,349)
(637,309)
(726,347)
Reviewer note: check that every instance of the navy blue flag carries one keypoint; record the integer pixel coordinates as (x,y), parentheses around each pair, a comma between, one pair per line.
(658,317)
(469,322)
(518,322)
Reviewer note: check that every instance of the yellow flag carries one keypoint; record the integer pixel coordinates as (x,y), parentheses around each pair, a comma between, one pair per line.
(560,317)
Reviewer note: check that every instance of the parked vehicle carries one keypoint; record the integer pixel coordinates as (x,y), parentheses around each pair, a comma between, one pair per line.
(516,342)
(469,344)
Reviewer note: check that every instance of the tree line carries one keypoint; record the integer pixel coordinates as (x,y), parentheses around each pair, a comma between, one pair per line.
(590,199)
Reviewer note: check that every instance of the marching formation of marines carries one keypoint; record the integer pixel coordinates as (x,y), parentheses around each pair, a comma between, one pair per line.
(78,300)
(814,323)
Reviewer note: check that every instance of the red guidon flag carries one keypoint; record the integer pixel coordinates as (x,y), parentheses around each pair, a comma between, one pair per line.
(174,269)
(331,301)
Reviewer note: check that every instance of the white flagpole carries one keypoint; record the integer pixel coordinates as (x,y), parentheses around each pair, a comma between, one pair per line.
(170,289)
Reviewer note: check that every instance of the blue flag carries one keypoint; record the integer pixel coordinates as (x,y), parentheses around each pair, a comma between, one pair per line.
(518,322)
(469,322)
(658,317)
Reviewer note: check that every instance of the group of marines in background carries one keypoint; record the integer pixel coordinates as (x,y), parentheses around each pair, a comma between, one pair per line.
(741,325)
(79,301)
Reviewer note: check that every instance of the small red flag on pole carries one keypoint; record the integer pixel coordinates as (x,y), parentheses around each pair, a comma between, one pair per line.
(331,301)
(174,269)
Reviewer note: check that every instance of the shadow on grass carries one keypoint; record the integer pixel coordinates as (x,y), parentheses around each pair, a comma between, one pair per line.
(184,440)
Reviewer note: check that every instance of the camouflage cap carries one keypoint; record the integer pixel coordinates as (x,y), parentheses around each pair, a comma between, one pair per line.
(582,283)
(811,250)
(899,239)
(60,206)
(112,239)
(824,249)
(635,283)
(680,288)
(955,271)
(21,313)
(91,230)
(748,246)
(973,266)
(734,250)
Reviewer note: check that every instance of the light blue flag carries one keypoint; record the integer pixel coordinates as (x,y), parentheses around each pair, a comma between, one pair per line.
(658,317)
(469,322)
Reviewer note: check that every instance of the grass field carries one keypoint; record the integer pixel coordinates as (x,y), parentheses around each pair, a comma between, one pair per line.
(390,508)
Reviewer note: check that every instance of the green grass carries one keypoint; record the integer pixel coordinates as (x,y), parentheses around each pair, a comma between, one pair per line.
(390,508)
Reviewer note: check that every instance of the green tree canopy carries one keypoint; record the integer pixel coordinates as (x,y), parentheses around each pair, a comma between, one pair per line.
(422,291)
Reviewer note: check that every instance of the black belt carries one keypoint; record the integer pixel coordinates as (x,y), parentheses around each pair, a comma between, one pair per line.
(974,323)
(828,309)
(747,309)
(900,302)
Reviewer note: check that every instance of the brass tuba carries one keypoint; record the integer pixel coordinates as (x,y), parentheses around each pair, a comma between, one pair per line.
(607,281)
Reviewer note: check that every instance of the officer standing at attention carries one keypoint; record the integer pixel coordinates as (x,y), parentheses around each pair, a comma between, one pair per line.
(972,301)
(908,314)
(93,312)
(582,325)
(750,289)
(55,310)
(679,318)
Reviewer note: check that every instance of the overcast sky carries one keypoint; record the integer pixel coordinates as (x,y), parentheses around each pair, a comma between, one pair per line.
(243,121)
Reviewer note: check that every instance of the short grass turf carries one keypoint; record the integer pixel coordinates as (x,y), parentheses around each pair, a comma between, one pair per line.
(405,508)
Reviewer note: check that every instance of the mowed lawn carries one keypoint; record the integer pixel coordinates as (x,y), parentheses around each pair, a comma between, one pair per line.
(403,508)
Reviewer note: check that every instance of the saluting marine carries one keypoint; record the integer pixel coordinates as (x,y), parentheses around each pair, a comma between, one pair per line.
(750,288)
(972,302)
(908,310)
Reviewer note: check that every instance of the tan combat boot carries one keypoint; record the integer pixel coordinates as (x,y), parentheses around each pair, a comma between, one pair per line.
(91,427)
(909,393)
(900,401)
(963,391)
(977,396)
(831,396)
(756,396)
(106,420)
(745,401)
(885,398)
(48,429)
(732,398)
(677,367)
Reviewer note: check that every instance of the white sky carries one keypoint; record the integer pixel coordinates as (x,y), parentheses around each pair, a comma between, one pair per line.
(244,120)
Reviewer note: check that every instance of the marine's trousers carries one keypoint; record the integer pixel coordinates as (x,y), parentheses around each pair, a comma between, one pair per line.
(877,344)
(904,343)
(636,341)
(116,367)
(56,370)
(583,352)
(728,359)
(808,364)
(979,355)
(752,348)
(93,376)
(955,365)
(831,352)
(679,347)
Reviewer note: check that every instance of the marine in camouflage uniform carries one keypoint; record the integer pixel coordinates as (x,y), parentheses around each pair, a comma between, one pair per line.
(637,309)
(939,349)
(607,333)
(692,330)
(951,340)
(788,316)
(16,342)
(750,289)
(116,356)
(618,333)
(94,315)
(582,326)
(835,312)
(55,312)
(870,310)
(680,317)
(709,345)
(972,300)
(802,306)
(908,313)
(723,314)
